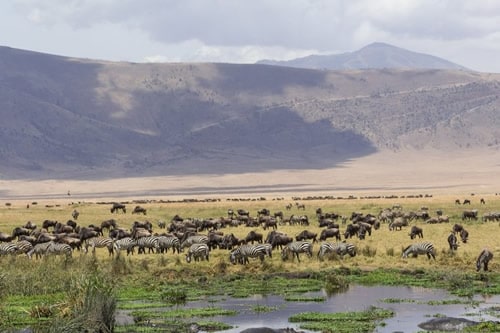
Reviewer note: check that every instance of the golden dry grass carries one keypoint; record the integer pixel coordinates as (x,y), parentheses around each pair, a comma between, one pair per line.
(386,244)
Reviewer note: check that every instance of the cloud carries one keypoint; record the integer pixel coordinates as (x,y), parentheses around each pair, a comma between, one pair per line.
(240,30)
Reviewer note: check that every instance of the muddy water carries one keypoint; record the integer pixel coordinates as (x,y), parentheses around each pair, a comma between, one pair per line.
(408,314)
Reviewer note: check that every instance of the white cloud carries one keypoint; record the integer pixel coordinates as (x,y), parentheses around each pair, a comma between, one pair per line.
(246,31)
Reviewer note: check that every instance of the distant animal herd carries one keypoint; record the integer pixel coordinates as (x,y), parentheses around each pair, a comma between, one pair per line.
(202,235)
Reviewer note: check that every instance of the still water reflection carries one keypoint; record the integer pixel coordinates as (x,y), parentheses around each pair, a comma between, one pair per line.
(357,298)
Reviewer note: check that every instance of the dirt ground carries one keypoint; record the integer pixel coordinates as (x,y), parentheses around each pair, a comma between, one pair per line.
(382,173)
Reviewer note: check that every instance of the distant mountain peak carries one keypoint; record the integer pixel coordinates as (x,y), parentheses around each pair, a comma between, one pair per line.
(376,55)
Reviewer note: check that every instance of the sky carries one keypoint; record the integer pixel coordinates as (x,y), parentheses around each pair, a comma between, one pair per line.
(466,32)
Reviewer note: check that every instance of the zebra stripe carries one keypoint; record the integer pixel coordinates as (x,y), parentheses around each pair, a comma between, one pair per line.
(149,242)
(167,242)
(126,243)
(99,242)
(295,248)
(242,253)
(8,249)
(340,248)
(196,239)
(24,246)
(59,248)
(39,250)
(198,252)
(484,258)
(420,248)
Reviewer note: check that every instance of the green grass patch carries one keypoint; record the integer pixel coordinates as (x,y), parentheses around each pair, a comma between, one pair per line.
(363,321)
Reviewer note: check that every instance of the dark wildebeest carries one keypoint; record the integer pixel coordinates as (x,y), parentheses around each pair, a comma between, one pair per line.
(329,233)
(452,241)
(306,234)
(48,223)
(457,228)
(242,212)
(484,258)
(75,214)
(263,212)
(482,201)
(30,225)
(117,207)
(466,202)
(416,231)
(300,206)
(6,237)
(351,230)
(139,210)
(108,224)
(253,236)
(464,235)
(457,202)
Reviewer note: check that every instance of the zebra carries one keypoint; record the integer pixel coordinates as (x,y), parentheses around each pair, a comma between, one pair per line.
(195,239)
(340,248)
(60,248)
(99,242)
(198,252)
(39,250)
(420,248)
(243,252)
(24,246)
(149,242)
(295,248)
(8,249)
(127,243)
(484,258)
(167,242)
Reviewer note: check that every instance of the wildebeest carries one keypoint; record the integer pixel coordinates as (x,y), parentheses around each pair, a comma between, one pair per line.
(466,202)
(482,201)
(464,235)
(75,214)
(117,207)
(305,235)
(242,212)
(6,237)
(452,241)
(263,212)
(253,236)
(108,224)
(469,214)
(484,258)
(416,231)
(329,233)
(139,210)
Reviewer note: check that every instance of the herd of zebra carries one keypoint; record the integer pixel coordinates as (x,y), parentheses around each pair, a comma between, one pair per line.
(184,233)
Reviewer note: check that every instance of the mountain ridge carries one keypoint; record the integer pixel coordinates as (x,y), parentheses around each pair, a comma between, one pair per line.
(78,118)
(376,55)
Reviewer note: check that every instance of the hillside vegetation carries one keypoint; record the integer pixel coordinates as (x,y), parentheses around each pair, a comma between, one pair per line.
(76,118)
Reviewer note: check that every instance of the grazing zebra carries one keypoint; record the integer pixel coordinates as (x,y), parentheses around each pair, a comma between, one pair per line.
(99,242)
(8,249)
(198,252)
(39,250)
(295,248)
(167,242)
(59,248)
(452,241)
(149,242)
(420,248)
(484,258)
(24,246)
(340,248)
(196,239)
(242,253)
(126,243)
(51,247)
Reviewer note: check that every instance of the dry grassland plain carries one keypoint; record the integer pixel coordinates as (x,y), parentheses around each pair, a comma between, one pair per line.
(378,181)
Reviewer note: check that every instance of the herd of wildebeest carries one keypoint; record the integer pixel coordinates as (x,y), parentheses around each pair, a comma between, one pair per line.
(201,235)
